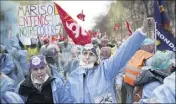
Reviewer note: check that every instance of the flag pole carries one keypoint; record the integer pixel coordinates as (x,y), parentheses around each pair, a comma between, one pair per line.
(155,36)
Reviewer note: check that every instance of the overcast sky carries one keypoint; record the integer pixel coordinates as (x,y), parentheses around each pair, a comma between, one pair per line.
(90,8)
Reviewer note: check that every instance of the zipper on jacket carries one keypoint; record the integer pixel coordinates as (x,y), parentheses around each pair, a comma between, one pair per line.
(84,80)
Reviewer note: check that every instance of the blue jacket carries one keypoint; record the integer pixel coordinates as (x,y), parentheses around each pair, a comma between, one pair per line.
(96,85)
(10,98)
(71,66)
(61,93)
(23,55)
(6,84)
(149,88)
(19,72)
(165,93)
(8,66)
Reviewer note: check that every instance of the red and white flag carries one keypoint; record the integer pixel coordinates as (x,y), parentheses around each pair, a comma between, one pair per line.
(81,16)
(75,31)
(129,28)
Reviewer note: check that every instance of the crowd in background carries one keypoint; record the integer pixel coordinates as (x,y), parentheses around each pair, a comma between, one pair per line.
(100,72)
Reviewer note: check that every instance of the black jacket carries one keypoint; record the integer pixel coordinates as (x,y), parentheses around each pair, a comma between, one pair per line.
(35,96)
(150,75)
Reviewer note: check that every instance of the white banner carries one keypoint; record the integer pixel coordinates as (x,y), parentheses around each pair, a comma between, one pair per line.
(36,20)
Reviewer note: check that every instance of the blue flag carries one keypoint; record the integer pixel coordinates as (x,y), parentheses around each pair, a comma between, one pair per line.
(163,30)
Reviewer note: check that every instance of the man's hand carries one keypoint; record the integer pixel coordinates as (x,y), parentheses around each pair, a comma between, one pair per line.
(148,24)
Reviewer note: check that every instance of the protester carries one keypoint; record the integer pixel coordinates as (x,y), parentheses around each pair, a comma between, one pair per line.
(164,93)
(113,46)
(6,83)
(133,68)
(40,87)
(10,98)
(7,64)
(23,62)
(45,45)
(92,83)
(53,57)
(66,49)
(96,42)
(118,86)
(33,49)
(154,76)
(74,62)
(105,53)
(104,41)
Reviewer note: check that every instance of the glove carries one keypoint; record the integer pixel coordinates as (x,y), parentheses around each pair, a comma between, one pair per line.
(148,24)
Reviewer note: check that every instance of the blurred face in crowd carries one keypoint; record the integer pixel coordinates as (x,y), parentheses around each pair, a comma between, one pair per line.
(104,43)
(52,59)
(105,53)
(39,73)
(65,42)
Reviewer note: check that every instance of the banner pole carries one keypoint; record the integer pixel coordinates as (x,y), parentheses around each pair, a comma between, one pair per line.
(155,36)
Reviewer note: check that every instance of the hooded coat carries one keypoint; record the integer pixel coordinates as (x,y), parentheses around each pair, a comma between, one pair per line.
(96,85)
(6,84)
(60,92)
(8,66)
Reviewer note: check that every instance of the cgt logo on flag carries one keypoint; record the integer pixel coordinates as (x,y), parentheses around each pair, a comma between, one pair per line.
(75,28)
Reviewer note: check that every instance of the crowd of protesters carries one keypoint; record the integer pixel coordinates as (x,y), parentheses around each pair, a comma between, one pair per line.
(100,72)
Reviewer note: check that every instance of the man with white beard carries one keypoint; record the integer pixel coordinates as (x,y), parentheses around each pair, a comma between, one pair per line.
(40,87)
(92,83)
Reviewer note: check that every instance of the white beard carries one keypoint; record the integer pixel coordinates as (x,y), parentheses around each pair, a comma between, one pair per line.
(37,81)
(87,66)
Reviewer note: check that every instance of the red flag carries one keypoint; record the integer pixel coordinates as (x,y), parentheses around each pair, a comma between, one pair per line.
(81,16)
(116,26)
(128,27)
(75,32)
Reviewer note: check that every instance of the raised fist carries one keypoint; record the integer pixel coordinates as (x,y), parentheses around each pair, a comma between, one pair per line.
(148,24)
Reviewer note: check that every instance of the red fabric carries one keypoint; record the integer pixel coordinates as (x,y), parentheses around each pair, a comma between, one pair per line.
(62,38)
(54,39)
(129,28)
(81,16)
(93,34)
(42,38)
(116,26)
(75,32)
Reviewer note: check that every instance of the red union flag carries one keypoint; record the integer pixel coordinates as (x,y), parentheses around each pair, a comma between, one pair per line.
(129,28)
(75,32)
(81,16)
